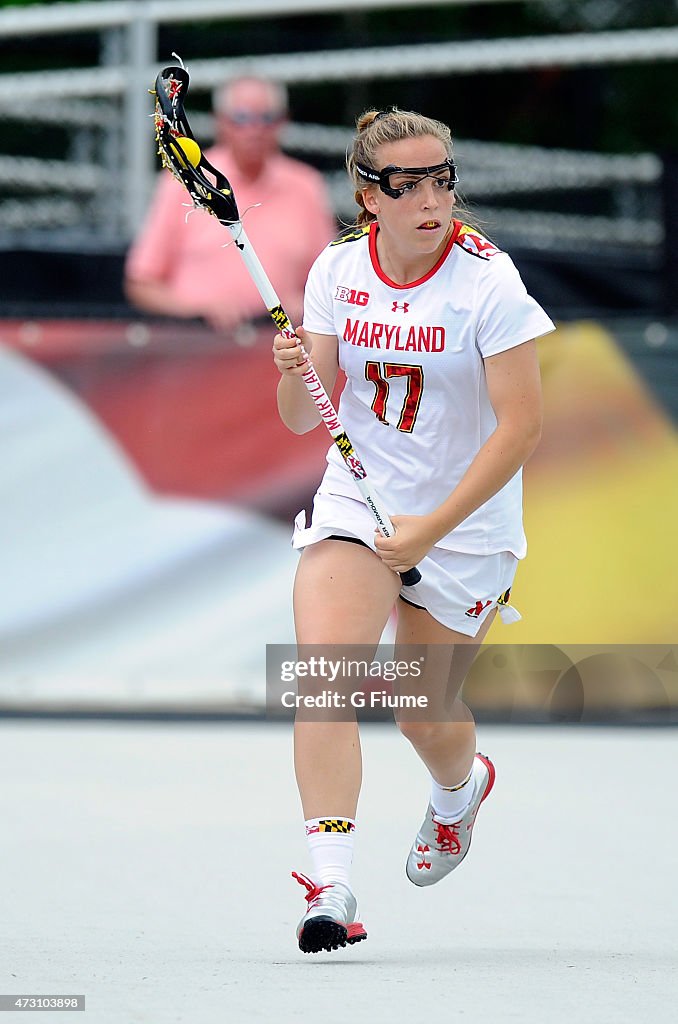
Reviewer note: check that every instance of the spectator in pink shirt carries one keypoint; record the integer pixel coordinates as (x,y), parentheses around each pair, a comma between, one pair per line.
(182,268)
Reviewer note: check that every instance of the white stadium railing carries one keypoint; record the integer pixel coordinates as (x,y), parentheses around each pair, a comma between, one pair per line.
(68,112)
(62,17)
(59,175)
(115,94)
(16,215)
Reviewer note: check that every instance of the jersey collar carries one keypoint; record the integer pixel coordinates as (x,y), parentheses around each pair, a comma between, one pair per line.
(374,228)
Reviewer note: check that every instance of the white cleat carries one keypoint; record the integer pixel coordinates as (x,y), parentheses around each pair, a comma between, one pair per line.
(330,920)
(439,848)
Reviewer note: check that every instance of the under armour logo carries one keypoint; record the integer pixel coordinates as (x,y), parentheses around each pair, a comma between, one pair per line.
(400,305)
(423,863)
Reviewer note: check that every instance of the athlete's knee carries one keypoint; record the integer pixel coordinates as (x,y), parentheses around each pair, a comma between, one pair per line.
(422,735)
(443,725)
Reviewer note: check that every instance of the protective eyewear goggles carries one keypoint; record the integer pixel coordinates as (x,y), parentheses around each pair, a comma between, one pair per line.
(396,181)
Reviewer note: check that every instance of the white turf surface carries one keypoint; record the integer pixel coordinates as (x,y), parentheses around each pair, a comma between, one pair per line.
(148,867)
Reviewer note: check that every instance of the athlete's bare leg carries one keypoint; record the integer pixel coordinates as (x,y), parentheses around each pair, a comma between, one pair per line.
(343,594)
(444,736)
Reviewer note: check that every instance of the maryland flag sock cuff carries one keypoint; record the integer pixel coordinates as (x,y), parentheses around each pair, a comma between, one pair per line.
(342,826)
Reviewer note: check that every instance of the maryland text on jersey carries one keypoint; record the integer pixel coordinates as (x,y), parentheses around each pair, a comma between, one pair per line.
(472,241)
(399,338)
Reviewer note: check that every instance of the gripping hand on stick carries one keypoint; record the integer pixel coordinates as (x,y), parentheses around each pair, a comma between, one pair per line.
(289,356)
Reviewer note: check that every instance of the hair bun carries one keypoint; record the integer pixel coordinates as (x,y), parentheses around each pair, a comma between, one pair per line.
(366,119)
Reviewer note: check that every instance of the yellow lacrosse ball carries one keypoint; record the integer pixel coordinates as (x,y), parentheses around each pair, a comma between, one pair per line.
(189,148)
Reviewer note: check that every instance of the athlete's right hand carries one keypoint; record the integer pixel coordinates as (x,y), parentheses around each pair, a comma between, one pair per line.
(288,355)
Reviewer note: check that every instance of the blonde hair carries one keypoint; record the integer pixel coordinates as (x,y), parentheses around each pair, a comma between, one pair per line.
(375,128)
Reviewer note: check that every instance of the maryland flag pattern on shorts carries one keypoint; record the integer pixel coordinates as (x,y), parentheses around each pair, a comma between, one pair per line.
(505,598)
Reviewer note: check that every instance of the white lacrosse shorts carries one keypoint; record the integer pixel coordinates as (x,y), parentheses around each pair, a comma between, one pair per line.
(458,589)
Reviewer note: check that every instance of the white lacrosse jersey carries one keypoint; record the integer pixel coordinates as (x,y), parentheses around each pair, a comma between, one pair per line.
(415,405)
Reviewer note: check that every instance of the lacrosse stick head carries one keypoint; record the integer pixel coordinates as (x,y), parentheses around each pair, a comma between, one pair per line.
(209,189)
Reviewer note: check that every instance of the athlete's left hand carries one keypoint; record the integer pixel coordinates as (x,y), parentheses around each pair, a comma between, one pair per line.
(413,540)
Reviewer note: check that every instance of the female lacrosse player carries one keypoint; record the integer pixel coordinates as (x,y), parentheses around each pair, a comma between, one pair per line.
(435,332)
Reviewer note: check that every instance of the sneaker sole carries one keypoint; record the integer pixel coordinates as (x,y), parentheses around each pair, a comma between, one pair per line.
(322,933)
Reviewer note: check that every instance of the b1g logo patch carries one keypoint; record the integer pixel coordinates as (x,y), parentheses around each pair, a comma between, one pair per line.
(356,298)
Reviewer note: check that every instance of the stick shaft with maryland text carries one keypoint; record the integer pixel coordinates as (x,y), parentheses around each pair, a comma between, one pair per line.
(184,158)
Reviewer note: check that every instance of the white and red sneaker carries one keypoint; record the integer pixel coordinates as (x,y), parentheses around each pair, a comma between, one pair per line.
(329,921)
(440,848)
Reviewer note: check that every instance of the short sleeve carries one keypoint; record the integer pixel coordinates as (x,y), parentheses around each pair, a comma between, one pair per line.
(506,315)
(150,256)
(318,307)
(319,224)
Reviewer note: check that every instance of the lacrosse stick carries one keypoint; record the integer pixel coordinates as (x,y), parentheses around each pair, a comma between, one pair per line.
(210,190)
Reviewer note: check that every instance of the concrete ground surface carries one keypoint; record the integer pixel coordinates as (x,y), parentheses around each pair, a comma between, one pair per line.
(147,866)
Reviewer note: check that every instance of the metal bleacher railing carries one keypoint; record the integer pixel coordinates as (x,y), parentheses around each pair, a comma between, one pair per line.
(100,190)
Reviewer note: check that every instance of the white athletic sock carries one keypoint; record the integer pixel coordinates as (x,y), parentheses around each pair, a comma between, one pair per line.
(330,842)
(450,802)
